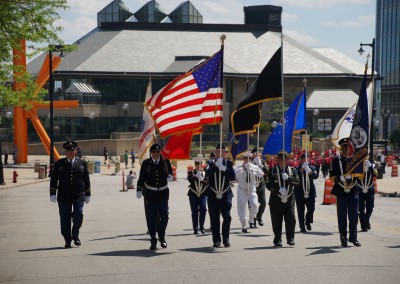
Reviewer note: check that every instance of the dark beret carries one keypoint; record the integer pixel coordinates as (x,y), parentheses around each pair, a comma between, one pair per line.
(70,145)
(254,150)
(344,141)
(282,153)
(155,147)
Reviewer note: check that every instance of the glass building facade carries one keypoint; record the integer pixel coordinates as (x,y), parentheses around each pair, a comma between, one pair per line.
(388,61)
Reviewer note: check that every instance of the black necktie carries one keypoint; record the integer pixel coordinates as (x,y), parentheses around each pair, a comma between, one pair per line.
(70,162)
(156,162)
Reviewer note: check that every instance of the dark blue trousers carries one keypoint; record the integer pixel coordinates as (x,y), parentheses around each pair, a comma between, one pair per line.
(347,207)
(303,203)
(157,209)
(366,206)
(217,207)
(198,206)
(68,211)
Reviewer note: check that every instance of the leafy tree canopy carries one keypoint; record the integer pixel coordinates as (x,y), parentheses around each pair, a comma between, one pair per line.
(34,21)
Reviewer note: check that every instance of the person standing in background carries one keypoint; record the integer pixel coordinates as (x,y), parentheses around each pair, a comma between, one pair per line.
(133,158)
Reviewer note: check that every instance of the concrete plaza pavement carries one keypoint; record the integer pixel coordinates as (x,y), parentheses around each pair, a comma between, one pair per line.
(115,247)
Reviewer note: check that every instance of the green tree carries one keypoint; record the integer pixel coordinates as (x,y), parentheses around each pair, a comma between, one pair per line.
(276,110)
(265,127)
(34,21)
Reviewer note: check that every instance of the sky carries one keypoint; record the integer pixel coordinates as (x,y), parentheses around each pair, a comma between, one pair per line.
(338,24)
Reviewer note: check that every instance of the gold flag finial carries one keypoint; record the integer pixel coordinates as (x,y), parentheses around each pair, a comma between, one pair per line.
(305,82)
(223,38)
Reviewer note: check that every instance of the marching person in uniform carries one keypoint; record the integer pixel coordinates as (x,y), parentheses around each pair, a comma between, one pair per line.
(219,196)
(260,187)
(197,196)
(367,195)
(346,192)
(70,187)
(282,180)
(246,193)
(155,173)
(305,194)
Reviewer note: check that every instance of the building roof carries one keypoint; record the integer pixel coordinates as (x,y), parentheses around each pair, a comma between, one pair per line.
(144,48)
(331,99)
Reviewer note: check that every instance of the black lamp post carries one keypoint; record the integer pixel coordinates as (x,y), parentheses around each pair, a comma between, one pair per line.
(371,127)
(385,113)
(56,48)
(315,115)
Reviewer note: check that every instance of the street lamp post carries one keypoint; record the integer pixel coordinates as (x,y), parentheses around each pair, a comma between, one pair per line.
(385,113)
(57,48)
(371,131)
(315,115)
(9,116)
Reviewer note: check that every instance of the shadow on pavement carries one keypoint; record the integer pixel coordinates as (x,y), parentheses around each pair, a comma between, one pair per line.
(269,247)
(324,250)
(205,250)
(137,253)
(42,249)
(316,233)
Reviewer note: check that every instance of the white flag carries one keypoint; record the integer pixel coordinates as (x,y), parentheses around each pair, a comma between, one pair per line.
(147,132)
(343,127)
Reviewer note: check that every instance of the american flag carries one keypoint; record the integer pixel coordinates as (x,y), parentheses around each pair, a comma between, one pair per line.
(190,100)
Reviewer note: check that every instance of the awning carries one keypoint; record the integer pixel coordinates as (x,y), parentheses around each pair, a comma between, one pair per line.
(331,99)
(81,88)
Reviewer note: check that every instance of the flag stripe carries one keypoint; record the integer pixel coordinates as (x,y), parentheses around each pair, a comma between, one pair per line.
(190,100)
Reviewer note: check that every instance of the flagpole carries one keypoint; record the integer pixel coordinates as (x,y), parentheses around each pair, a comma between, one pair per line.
(223,38)
(283,103)
(306,191)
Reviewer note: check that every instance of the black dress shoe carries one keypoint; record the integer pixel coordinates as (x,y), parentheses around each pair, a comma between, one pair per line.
(244,230)
(291,243)
(278,244)
(251,225)
(202,231)
(195,232)
(153,246)
(364,229)
(217,245)
(68,245)
(227,244)
(344,244)
(356,243)
(308,226)
(77,241)
(303,230)
(163,243)
(260,222)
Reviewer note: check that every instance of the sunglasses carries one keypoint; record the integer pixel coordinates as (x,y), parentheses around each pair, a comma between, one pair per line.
(156,151)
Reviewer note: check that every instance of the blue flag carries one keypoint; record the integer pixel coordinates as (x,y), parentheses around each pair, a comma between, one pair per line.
(238,145)
(295,118)
(358,144)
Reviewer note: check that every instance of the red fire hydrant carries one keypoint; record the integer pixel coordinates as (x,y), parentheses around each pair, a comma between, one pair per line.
(15,174)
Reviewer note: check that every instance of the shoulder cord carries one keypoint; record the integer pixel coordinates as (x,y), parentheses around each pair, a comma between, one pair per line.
(200,187)
(344,185)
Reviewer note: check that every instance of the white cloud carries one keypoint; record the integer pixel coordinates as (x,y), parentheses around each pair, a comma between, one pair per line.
(75,29)
(318,4)
(289,18)
(302,38)
(360,21)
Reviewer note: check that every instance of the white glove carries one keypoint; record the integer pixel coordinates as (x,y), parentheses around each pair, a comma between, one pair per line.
(305,165)
(282,190)
(170,178)
(139,194)
(199,176)
(53,198)
(257,161)
(285,176)
(367,165)
(342,178)
(87,199)
(348,176)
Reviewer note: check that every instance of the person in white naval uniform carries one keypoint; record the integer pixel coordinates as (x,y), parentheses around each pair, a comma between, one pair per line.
(246,193)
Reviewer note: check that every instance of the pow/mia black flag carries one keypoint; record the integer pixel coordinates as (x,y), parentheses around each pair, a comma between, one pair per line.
(267,86)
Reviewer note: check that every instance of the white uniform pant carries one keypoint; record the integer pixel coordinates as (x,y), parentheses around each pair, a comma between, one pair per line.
(243,198)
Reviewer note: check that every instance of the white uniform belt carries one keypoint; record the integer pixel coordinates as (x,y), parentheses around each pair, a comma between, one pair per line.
(156,188)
